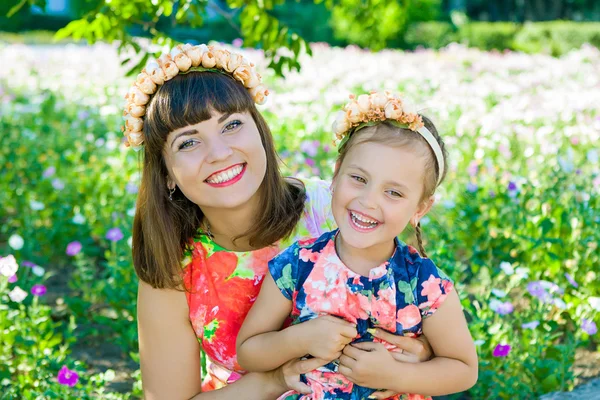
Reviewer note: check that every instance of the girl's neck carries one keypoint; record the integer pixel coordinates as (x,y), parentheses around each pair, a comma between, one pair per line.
(360,260)
(227,224)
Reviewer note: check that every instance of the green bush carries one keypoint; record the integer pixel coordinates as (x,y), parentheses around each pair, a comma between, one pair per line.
(488,36)
(557,37)
(430,35)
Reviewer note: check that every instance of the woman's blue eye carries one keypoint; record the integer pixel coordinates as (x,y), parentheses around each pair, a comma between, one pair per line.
(232,125)
(358,178)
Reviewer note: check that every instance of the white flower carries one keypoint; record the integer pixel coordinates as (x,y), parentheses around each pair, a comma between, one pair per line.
(16,242)
(495,304)
(595,303)
(17,294)
(131,212)
(498,293)
(36,205)
(560,304)
(130,241)
(8,266)
(38,271)
(507,268)
(522,272)
(78,219)
(479,342)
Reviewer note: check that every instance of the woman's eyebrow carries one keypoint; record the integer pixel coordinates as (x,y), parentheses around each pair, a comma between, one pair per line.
(189,132)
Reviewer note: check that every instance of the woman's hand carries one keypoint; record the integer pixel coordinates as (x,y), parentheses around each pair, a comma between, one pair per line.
(325,337)
(413,350)
(288,375)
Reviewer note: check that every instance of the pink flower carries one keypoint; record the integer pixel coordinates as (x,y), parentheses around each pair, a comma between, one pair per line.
(38,290)
(409,316)
(73,248)
(431,288)
(12,279)
(67,377)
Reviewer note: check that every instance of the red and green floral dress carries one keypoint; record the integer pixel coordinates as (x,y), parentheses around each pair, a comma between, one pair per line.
(223,284)
(395,296)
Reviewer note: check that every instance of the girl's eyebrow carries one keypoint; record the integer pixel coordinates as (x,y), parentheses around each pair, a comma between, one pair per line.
(189,132)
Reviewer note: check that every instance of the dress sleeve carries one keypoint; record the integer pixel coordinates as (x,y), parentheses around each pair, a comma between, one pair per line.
(284,270)
(319,206)
(433,287)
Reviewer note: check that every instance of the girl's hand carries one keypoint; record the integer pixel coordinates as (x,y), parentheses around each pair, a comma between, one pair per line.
(413,350)
(363,364)
(288,375)
(325,337)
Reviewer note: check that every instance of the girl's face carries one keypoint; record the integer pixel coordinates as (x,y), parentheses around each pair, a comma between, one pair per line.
(377,192)
(217,163)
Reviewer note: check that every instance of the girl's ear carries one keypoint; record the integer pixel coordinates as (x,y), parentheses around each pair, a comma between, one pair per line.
(422,210)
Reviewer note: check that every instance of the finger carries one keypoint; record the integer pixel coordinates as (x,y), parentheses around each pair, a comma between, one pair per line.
(404,357)
(349,331)
(347,372)
(347,361)
(352,352)
(382,394)
(300,387)
(410,345)
(367,346)
(305,366)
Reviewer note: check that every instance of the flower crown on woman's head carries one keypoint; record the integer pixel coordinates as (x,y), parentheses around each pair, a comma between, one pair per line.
(372,109)
(183,59)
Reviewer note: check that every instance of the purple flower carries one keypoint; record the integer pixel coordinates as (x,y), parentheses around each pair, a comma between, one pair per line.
(471,187)
(73,248)
(49,172)
(492,194)
(571,280)
(530,325)
(67,377)
(310,162)
(473,168)
(131,188)
(114,235)
(310,147)
(589,327)
(237,42)
(501,350)
(326,148)
(505,308)
(38,290)
(512,186)
(12,279)
(58,184)
(28,264)
(81,115)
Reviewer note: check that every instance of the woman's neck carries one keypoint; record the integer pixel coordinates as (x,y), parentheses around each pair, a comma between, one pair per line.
(362,260)
(227,224)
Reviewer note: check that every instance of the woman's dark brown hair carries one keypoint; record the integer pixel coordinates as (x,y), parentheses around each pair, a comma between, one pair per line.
(162,228)
(392,135)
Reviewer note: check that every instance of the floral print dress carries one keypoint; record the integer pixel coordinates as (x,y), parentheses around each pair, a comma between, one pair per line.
(395,296)
(222,285)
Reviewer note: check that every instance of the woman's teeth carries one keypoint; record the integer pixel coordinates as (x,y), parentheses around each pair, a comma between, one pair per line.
(362,221)
(225,176)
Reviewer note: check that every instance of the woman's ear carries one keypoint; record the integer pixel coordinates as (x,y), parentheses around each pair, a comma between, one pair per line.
(422,210)
(170,184)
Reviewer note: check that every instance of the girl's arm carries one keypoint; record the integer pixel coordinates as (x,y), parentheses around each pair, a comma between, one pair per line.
(262,346)
(453,369)
(170,353)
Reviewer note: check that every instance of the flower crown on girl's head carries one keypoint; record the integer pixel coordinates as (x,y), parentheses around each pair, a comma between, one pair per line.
(372,109)
(183,59)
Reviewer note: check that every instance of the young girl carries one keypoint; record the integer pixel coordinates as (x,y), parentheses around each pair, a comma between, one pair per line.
(388,168)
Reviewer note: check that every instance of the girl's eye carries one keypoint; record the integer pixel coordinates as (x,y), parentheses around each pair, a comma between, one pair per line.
(232,125)
(358,178)
(394,193)
(187,144)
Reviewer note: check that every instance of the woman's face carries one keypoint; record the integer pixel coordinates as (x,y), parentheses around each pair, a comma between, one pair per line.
(217,163)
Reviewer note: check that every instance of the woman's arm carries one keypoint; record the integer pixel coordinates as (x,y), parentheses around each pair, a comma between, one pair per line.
(262,346)
(170,354)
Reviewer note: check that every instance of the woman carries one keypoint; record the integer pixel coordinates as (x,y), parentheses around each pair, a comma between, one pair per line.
(212,210)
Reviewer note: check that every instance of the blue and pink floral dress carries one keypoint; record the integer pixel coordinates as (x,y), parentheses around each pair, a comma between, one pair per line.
(396,296)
